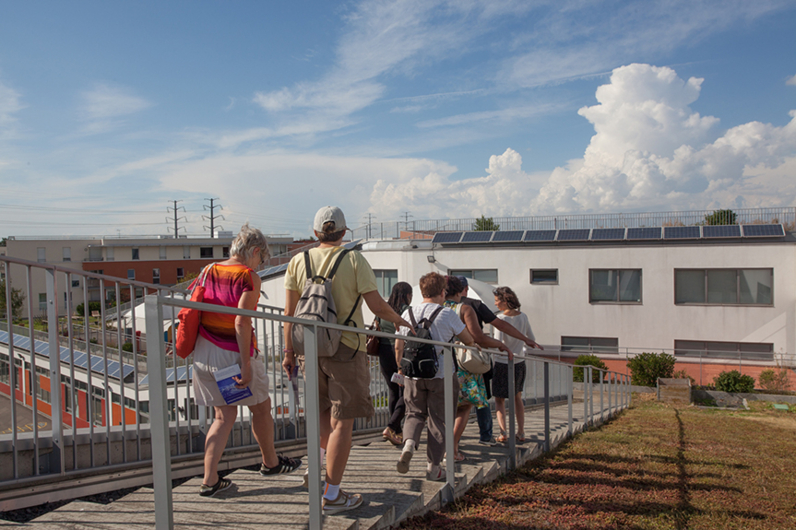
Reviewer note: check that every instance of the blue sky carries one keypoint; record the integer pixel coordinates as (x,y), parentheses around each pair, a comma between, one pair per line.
(110,110)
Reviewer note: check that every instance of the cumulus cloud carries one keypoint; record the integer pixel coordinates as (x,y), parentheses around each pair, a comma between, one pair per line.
(650,151)
(791,81)
(104,105)
(10,104)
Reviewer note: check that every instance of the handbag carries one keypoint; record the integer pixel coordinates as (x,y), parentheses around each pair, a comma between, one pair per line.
(189,319)
(474,361)
(373,341)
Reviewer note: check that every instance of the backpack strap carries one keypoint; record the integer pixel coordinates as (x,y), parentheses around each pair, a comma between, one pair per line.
(412,318)
(307,264)
(434,315)
(337,264)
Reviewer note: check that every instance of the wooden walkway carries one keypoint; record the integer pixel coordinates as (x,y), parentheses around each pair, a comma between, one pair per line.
(281,502)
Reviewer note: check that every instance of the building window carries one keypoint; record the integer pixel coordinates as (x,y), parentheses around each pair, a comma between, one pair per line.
(186,252)
(615,285)
(162,252)
(590,344)
(206,252)
(724,286)
(135,253)
(385,280)
(544,276)
(41,254)
(484,275)
(108,253)
(67,253)
(42,301)
(156,276)
(225,252)
(747,351)
(180,274)
(76,283)
(131,274)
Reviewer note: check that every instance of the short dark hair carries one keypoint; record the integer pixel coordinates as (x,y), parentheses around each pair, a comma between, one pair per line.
(507,296)
(454,286)
(330,234)
(432,284)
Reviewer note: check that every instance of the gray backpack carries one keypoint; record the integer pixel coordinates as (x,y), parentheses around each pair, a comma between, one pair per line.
(316,303)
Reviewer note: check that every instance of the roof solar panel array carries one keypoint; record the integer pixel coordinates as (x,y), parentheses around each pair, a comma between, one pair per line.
(644,233)
(721,231)
(477,237)
(576,234)
(763,230)
(508,236)
(607,234)
(447,237)
(539,235)
(681,232)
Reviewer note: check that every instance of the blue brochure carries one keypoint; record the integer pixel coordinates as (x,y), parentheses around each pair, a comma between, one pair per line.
(226,385)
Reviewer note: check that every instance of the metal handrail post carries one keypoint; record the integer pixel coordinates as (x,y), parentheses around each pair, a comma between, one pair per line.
(511,416)
(546,407)
(158,416)
(591,396)
(570,390)
(609,375)
(57,460)
(602,409)
(313,425)
(446,495)
(585,401)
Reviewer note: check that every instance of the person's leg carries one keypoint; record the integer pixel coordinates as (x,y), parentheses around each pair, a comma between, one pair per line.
(216,441)
(484,416)
(519,411)
(462,415)
(436,421)
(338,447)
(500,407)
(263,429)
(395,404)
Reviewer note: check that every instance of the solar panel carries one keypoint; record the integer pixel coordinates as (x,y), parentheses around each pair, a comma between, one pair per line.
(508,235)
(607,234)
(477,237)
(539,235)
(763,231)
(644,233)
(680,232)
(721,231)
(447,237)
(573,234)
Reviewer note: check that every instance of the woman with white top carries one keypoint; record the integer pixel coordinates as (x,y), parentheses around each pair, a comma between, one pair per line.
(507,302)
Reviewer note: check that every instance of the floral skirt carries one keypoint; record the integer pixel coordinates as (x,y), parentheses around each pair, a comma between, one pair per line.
(472,389)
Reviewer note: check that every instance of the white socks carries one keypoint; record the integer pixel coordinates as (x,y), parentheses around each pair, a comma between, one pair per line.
(331,492)
(409,446)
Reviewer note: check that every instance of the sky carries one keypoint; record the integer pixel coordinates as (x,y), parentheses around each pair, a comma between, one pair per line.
(418,109)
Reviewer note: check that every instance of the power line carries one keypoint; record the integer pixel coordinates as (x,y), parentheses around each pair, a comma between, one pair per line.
(176,209)
(212,217)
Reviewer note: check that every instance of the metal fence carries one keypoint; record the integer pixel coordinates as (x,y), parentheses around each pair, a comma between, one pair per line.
(425,229)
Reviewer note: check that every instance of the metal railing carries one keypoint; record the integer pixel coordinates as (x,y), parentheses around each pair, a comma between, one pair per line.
(158,395)
(422,229)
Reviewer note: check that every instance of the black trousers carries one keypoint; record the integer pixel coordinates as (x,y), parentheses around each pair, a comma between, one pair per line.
(395,404)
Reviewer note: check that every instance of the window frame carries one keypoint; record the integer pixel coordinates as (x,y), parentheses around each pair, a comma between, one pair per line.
(470,274)
(589,348)
(544,282)
(617,301)
(739,351)
(135,254)
(382,287)
(156,276)
(705,301)
(203,252)
(131,274)
(66,253)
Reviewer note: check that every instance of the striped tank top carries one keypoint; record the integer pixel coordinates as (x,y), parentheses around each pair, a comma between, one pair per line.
(224,285)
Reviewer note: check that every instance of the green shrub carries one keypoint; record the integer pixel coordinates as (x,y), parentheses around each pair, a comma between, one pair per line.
(586,360)
(734,382)
(774,381)
(92,306)
(646,368)
(127,346)
(682,374)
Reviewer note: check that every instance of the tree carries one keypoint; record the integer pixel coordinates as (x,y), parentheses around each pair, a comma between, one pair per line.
(588,360)
(646,368)
(721,217)
(17,299)
(484,224)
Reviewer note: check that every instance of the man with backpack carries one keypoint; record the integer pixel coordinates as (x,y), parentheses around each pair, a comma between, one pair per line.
(423,369)
(339,280)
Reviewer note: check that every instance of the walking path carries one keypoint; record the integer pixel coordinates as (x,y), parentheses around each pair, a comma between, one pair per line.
(281,502)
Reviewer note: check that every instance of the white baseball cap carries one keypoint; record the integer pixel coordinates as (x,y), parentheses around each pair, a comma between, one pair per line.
(329,214)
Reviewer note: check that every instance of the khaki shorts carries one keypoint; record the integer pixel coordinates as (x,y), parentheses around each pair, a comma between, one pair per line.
(344,383)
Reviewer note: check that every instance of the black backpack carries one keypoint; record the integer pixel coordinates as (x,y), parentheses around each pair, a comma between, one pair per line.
(420,359)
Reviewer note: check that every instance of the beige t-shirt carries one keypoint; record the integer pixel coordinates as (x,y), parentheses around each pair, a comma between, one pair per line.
(353,277)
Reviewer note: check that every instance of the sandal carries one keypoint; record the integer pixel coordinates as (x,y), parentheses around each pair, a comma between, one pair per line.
(521,437)
(459,458)
(210,491)
(285,465)
(502,438)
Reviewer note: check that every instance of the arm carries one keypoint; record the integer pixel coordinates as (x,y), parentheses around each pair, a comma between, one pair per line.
(382,309)
(471,321)
(243,332)
(291,301)
(399,352)
(511,331)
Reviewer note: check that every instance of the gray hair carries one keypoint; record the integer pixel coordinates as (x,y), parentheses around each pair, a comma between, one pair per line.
(248,243)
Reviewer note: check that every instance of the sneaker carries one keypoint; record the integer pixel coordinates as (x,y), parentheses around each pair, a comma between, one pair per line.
(343,502)
(210,491)
(402,466)
(306,482)
(389,435)
(285,465)
(437,475)
(489,443)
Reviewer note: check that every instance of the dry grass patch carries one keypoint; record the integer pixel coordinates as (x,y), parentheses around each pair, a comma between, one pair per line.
(654,467)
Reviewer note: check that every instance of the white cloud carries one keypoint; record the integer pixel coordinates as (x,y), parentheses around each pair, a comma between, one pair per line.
(650,151)
(104,106)
(10,104)
(791,81)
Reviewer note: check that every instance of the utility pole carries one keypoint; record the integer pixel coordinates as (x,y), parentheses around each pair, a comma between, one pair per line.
(370,218)
(212,217)
(176,218)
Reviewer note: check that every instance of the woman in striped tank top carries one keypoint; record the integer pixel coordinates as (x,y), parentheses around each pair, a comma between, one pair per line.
(226,340)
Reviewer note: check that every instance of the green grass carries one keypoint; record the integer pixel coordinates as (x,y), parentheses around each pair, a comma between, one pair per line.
(654,467)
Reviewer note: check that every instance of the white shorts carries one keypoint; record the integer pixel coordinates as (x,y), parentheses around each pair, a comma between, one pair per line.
(209,358)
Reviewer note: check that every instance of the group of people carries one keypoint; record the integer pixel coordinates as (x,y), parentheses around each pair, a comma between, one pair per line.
(344,377)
